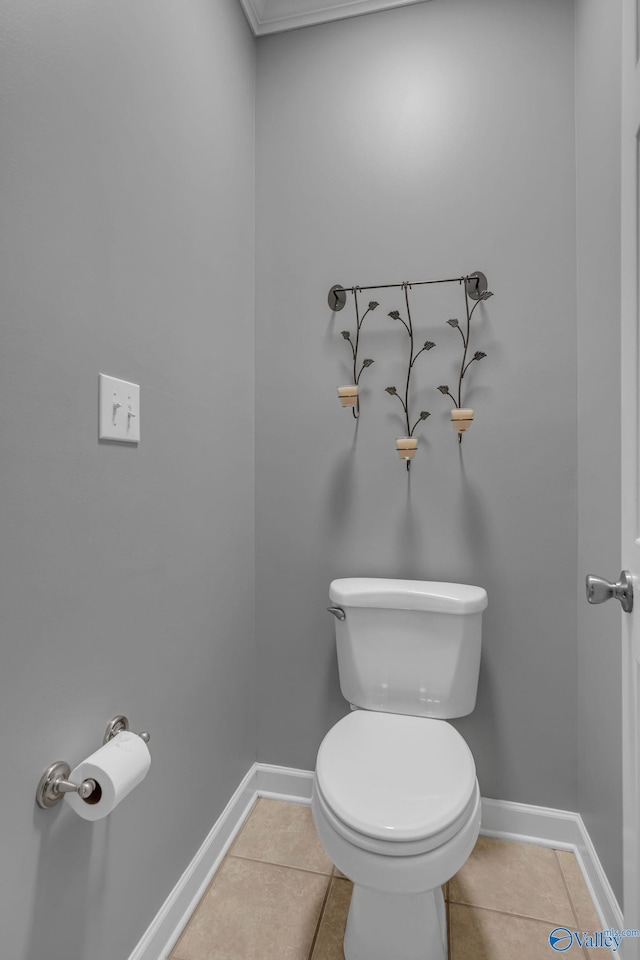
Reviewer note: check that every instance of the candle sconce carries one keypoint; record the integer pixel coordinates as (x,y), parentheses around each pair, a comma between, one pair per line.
(406,446)
(475,288)
(349,394)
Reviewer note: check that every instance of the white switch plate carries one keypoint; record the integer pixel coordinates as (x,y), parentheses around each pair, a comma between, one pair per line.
(119,410)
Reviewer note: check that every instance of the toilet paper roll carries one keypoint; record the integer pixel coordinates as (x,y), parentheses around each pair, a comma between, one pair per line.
(117,767)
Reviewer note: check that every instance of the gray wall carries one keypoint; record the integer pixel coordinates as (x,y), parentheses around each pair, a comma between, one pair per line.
(421,143)
(598,32)
(126,581)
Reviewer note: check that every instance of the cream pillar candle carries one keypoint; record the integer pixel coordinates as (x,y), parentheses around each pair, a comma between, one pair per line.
(348,395)
(461,419)
(406,447)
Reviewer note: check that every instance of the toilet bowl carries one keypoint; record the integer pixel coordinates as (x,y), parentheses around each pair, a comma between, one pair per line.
(395,800)
(397,808)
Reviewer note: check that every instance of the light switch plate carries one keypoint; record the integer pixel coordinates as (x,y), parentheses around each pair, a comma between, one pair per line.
(118,410)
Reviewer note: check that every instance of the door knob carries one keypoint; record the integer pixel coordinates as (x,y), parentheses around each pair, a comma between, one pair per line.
(599,590)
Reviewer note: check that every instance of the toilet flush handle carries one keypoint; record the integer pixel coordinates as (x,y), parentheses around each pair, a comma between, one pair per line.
(338,612)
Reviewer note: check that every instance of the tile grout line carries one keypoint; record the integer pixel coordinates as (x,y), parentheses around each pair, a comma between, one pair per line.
(323,909)
(447,907)
(505,913)
(328,877)
(173,955)
(573,907)
(566,887)
(285,866)
(229,856)
(524,916)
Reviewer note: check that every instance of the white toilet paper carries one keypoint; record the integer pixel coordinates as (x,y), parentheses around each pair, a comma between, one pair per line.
(117,767)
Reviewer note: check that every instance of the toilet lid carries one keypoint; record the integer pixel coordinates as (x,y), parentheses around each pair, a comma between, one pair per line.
(395,777)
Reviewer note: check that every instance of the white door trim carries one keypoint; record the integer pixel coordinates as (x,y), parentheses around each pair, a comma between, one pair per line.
(630,532)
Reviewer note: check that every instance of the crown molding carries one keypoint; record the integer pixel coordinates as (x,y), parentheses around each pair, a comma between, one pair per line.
(320,11)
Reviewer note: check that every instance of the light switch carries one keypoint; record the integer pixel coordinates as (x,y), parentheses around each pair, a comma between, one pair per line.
(119,410)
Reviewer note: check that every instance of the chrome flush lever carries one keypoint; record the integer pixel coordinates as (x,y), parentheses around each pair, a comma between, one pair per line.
(599,590)
(338,612)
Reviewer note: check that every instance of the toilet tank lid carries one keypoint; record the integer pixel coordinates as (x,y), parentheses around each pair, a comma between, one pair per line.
(426,595)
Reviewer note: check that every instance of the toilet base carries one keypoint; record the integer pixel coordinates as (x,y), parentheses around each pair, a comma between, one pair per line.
(387,926)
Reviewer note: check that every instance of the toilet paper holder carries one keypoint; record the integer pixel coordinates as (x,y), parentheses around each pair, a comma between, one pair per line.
(54,782)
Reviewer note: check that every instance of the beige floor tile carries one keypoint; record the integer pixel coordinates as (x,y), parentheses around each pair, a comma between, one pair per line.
(478,934)
(585,911)
(328,945)
(255,911)
(284,833)
(514,878)
(266,902)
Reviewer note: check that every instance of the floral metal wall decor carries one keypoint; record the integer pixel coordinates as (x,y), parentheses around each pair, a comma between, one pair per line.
(475,289)
(348,394)
(407,445)
(462,417)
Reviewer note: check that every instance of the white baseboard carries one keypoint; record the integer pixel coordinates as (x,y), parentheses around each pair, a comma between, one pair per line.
(262,780)
(564,831)
(161,936)
(283,783)
(500,818)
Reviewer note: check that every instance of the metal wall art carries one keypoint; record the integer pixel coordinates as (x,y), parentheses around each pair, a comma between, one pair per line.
(461,417)
(348,394)
(475,289)
(407,445)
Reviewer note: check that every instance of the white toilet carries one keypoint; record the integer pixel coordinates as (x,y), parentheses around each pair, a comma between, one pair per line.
(396,802)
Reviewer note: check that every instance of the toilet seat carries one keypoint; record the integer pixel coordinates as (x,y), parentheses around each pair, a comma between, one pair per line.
(395,849)
(395,784)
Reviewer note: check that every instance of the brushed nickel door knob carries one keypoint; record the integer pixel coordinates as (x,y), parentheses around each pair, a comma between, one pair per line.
(599,590)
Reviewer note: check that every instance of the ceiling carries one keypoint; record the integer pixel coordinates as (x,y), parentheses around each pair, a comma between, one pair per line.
(275,16)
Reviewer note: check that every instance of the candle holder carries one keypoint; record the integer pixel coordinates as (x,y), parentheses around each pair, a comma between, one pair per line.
(349,396)
(407,450)
(475,288)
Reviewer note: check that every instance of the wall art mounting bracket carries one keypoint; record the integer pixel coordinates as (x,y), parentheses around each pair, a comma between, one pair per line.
(475,284)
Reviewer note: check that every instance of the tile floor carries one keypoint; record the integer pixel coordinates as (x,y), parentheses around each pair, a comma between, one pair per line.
(277,896)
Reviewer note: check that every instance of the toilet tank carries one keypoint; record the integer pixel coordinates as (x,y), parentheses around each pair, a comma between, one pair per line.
(409,646)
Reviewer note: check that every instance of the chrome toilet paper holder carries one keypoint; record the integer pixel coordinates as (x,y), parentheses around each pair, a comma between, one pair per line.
(54,782)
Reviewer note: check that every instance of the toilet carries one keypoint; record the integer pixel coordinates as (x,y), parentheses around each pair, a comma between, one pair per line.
(395,800)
